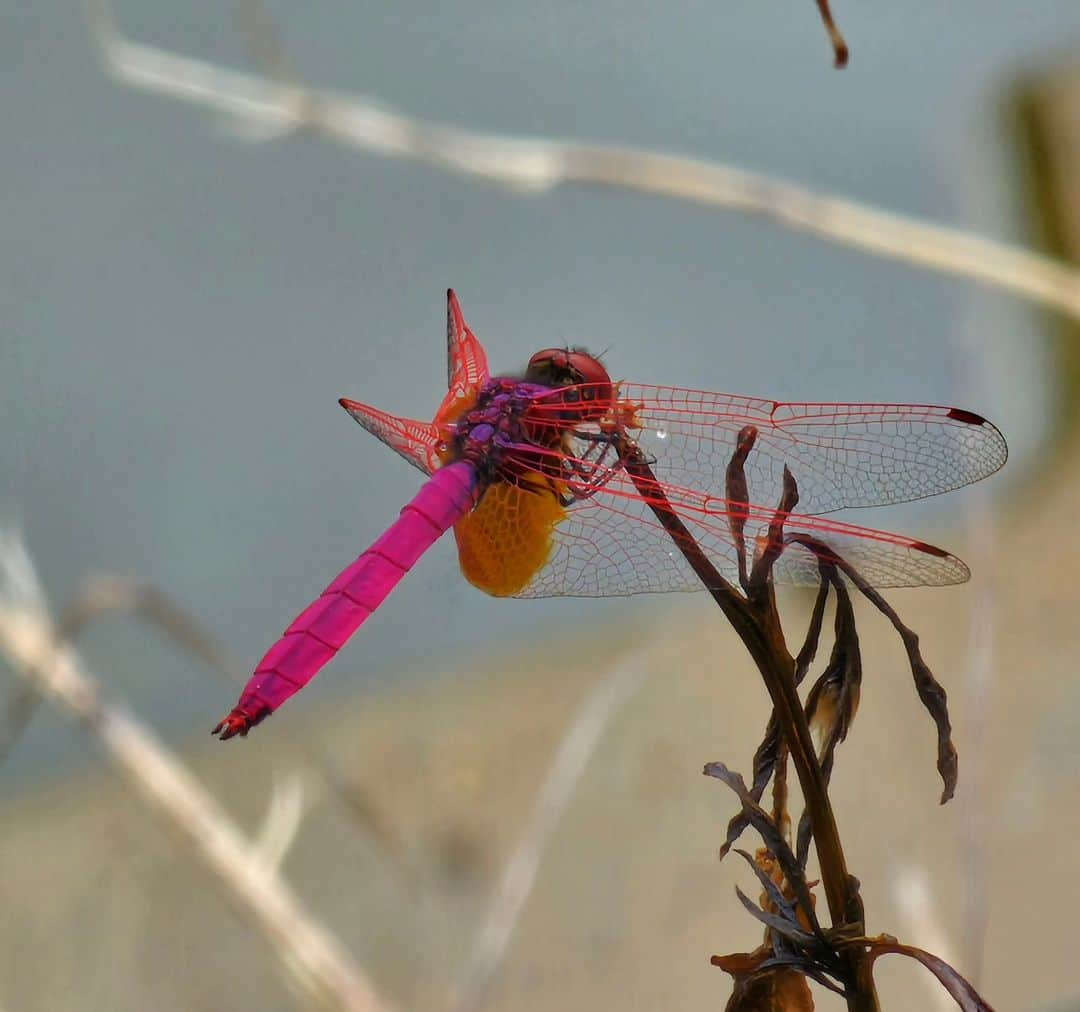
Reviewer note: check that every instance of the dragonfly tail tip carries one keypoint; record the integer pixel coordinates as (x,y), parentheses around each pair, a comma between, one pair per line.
(237,722)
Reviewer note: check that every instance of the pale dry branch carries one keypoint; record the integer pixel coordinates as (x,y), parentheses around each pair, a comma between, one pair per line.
(101,596)
(911,890)
(271,107)
(110,594)
(577,746)
(317,961)
(288,802)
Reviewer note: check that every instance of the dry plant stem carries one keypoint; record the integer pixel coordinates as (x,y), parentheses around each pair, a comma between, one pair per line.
(571,758)
(840,49)
(756,620)
(313,956)
(271,106)
(102,596)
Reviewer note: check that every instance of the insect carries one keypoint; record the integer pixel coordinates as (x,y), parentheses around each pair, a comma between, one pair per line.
(530,473)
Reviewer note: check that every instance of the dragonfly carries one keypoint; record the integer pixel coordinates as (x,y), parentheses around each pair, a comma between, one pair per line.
(530,472)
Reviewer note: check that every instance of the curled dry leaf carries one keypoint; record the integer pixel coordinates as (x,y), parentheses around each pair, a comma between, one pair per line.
(834,698)
(761,575)
(958,988)
(774,842)
(931,692)
(738,494)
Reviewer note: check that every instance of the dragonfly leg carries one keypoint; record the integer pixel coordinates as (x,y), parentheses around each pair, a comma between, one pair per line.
(581,473)
(593,478)
(594,466)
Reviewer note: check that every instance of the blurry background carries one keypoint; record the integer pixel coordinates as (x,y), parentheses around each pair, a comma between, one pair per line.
(179,311)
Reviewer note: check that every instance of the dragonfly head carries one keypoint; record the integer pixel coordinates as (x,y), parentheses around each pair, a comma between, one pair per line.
(589,388)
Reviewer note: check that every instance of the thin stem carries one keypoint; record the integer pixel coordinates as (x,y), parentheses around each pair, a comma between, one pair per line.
(758,625)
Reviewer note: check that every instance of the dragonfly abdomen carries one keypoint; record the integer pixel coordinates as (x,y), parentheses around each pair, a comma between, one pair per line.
(322,628)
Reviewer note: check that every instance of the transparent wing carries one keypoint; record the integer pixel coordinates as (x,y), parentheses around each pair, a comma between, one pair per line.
(842,455)
(612,544)
(413,440)
(466,361)
(467,371)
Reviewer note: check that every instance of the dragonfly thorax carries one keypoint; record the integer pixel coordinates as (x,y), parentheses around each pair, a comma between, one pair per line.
(539,436)
(496,425)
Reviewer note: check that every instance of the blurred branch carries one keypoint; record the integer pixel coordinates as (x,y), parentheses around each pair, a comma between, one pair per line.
(263,40)
(282,821)
(911,891)
(108,594)
(273,106)
(31,643)
(572,756)
(101,596)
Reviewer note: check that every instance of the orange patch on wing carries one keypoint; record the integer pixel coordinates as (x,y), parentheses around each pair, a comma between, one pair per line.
(506,540)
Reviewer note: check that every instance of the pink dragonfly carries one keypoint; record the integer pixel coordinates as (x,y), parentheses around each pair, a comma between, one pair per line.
(530,473)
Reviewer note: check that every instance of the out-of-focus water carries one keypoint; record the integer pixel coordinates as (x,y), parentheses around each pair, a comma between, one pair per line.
(180,310)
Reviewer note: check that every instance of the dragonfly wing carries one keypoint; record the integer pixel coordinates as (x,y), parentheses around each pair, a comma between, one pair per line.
(842,455)
(415,441)
(606,548)
(612,544)
(880,558)
(467,369)
(466,360)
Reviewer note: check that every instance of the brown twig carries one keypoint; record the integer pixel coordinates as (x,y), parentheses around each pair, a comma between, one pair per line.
(840,49)
(756,620)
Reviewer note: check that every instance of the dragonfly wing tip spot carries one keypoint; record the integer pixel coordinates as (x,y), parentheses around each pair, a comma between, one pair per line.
(965,416)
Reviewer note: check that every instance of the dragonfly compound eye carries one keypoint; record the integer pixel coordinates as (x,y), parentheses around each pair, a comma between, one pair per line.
(561,367)
(591,381)
(550,367)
